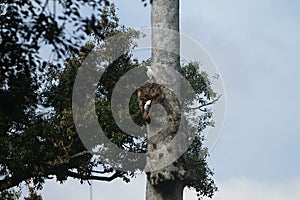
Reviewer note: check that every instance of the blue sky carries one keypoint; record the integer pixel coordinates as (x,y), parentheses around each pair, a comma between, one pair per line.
(256,46)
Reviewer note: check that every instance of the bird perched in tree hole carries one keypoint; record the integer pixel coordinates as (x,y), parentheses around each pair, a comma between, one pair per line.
(145,114)
(147,106)
(150,73)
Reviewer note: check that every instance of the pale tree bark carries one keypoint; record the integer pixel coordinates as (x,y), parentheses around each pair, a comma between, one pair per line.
(165,43)
(167,183)
(165,15)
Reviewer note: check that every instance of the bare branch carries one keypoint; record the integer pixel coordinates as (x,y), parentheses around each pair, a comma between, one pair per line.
(101,172)
(207,104)
(117,174)
(84,153)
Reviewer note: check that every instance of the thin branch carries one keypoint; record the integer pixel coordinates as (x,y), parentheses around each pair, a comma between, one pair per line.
(84,153)
(44,6)
(207,104)
(98,178)
(100,172)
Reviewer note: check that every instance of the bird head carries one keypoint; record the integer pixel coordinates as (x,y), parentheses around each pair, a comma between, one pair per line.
(148,103)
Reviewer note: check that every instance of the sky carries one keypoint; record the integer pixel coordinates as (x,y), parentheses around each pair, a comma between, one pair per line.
(255,45)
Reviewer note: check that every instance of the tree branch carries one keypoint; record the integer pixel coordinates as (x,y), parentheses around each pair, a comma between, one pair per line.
(207,104)
(117,174)
(84,153)
(105,171)
(9,182)
(13,181)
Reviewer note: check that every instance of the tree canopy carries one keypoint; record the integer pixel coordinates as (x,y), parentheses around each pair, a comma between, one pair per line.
(39,140)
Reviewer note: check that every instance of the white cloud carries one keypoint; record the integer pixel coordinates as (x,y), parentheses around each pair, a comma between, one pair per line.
(72,189)
(232,189)
(247,189)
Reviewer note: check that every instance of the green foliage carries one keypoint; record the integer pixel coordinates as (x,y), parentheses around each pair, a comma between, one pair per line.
(33,195)
(26,27)
(199,80)
(13,194)
(103,103)
(9,195)
(38,136)
(202,181)
(201,119)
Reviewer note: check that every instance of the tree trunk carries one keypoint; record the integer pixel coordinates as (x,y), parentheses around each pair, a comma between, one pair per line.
(165,15)
(165,39)
(165,191)
(163,184)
